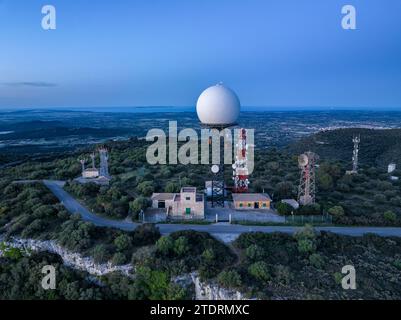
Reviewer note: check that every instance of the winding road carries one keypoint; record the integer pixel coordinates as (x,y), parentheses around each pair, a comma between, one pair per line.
(224,231)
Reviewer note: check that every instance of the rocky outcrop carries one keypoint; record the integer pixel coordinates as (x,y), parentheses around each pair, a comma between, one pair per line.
(211,291)
(208,290)
(73,260)
(201,290)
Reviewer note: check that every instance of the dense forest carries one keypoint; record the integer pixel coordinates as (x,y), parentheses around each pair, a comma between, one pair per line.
(306,265)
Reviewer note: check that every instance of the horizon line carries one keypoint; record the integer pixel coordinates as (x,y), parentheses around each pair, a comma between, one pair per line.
(193,108)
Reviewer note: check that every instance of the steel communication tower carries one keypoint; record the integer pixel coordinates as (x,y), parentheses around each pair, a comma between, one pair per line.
(104,167)
(240,166)
(307,183)
(356,140)
(218,179)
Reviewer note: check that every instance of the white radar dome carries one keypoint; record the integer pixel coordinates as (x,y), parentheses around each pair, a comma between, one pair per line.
(218,105)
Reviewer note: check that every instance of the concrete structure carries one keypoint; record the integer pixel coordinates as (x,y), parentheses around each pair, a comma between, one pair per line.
(251,201)
(187,204)
(93,174)
(291,202)
(90,173)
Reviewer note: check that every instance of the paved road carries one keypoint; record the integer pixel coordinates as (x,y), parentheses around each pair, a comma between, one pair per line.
(224,231)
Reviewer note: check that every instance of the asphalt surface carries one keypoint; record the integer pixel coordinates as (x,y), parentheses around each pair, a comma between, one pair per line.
(221,230)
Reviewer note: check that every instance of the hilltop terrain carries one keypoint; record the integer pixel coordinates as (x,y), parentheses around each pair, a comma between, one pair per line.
(377,147)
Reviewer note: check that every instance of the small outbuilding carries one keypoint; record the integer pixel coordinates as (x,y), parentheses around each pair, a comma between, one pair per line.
(251,201)
(291,202)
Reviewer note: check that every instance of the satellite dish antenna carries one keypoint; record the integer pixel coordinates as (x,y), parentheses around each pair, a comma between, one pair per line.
(303,160)
(215,168)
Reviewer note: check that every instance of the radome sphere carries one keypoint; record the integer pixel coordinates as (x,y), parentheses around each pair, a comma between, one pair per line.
(218,105)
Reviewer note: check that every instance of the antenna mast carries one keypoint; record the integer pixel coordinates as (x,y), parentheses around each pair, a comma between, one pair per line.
(240,167)
(307,182)
(356,140)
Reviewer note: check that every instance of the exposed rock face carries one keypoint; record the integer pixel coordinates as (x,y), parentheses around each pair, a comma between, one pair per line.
(202,290)
(211,291)
(70,259)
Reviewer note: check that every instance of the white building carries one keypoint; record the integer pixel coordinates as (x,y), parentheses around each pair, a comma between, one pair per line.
(90,173)
(187,204)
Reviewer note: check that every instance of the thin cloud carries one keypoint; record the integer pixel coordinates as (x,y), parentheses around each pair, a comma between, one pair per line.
(40,84)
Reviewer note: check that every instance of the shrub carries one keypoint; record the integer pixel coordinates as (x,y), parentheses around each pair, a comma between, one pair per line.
(397,264)
(145,234)
(260,271)
(181,246)
(380,198)
(146,188)
(229,279)
(172,187)
(118,259)
(389,216)
(306,246)
(100,253)
(313,209)
(284,208)
(336,211)
(254,252)
(208,255)
(122,242)
(283,274)
(316,260)
(165,245)
(140,203)
(306,239)
(306,232)
(338,277)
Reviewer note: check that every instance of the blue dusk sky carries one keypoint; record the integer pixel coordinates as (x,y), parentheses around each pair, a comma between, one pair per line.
(281,53)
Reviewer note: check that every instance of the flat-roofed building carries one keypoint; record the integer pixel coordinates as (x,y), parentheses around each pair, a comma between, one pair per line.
(188,204)
(251,201)
(162,200)
(90,173)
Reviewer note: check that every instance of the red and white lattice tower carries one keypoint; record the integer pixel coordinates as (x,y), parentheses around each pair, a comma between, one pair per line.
(240,166)
(307,183)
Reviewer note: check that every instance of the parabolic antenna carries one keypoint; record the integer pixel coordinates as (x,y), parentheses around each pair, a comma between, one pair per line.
(303,160)
(215,168)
